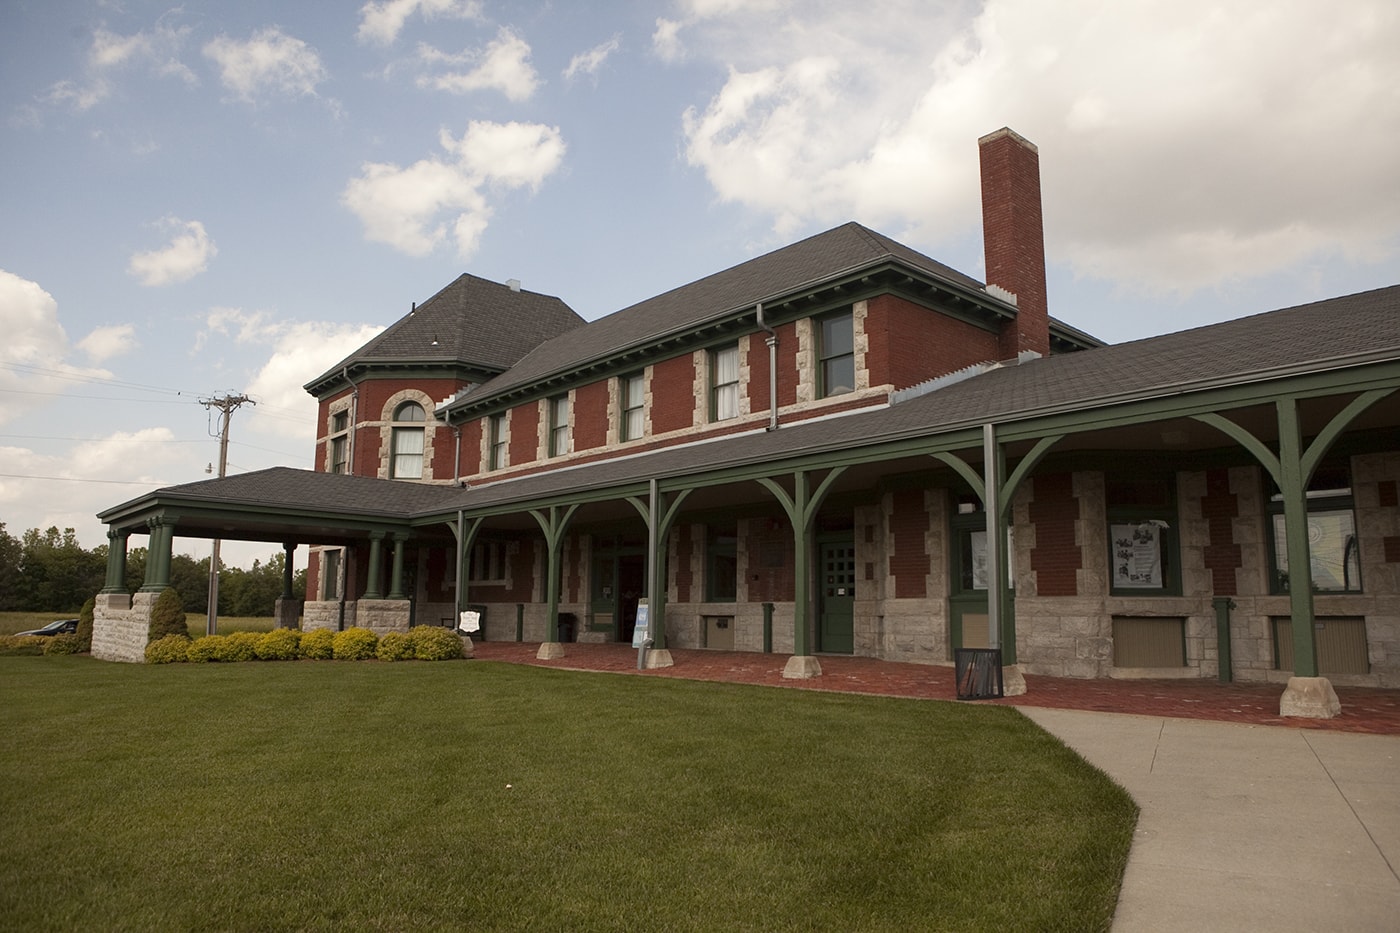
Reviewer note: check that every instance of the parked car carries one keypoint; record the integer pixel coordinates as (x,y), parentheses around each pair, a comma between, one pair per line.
(61,627)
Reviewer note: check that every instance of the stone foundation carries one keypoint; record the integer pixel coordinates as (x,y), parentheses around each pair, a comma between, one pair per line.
(121,626)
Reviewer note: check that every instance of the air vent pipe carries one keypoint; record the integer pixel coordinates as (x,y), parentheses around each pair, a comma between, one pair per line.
(772,341)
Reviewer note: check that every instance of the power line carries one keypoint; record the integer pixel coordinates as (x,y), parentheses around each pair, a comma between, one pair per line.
(78,479)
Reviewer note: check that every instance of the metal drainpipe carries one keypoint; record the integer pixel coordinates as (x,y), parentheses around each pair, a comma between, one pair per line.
(772,341)
(1223,605)
(767,628)
(457,453)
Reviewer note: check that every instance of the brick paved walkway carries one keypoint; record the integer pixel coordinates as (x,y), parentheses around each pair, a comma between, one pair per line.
(1363,709)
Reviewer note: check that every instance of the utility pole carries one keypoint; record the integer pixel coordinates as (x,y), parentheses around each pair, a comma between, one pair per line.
(227,405)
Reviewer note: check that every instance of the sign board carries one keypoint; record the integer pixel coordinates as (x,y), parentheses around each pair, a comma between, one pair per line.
(642,633)
(470,621)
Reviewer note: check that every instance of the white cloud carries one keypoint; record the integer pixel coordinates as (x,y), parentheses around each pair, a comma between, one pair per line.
(418,208)
(382,21)
(503,65)
(299,350)
(106,342)
(1183,144)
(35,345)
(590,61)
(271,61)
(666,40)
(158,49)
(187,255)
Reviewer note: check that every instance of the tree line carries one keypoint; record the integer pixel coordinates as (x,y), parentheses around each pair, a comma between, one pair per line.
(49,571)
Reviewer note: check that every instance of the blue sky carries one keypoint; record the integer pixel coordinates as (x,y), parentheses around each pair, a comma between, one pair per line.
(222,197)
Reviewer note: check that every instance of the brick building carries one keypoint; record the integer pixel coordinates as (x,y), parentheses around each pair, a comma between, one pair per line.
(844,446)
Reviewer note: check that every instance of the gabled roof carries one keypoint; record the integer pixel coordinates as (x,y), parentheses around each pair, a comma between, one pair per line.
(837,254)
(473,325)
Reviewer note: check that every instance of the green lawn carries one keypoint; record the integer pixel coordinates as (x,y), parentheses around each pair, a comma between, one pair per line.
(484,796)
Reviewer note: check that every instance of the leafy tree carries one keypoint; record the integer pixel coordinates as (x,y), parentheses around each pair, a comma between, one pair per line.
(10,553)
(56,573)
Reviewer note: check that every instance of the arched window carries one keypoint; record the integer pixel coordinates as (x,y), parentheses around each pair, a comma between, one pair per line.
(406,461)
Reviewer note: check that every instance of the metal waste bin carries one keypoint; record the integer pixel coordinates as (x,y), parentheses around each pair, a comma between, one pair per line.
(977,673)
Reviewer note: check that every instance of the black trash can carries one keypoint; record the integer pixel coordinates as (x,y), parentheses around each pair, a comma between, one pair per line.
(568,626)
(977,673)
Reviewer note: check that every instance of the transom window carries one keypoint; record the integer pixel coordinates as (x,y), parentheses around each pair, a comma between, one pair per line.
(559,426)
(724,383)
(406,442)
(836,354)
(633,406)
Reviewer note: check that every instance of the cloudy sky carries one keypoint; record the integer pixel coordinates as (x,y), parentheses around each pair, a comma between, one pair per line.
(217,198)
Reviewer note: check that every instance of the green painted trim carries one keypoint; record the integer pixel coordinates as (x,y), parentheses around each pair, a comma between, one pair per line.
(1293,485)
(553,526)
(1024,468)
(1334,428)
(969,475)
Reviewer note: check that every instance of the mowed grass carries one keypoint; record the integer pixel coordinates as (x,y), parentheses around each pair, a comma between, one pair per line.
(482,796)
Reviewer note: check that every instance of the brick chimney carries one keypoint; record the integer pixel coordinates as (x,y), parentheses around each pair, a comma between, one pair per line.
(1013,237)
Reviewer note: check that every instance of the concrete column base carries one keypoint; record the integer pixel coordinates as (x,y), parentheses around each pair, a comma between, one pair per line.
(802,667)
(549,651)
(1309,698)
(658,658)
(1013,681)
(468,649)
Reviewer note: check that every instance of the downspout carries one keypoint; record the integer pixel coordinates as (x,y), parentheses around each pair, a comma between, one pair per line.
(457,453)
(772,341)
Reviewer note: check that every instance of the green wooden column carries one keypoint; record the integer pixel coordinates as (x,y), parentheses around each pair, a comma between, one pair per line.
(1292,469)
(289,550)
(801,507)
(158,555)
(996,491)
(374,577)
(396,580)
(553,523)
(465,531)
(116,561)
(659,513)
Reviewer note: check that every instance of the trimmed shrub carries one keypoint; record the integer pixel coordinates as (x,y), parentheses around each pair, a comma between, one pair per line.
(22,644)
(168,650)
(431,643)
(64,644)
(395,646)
(240,646)
(85,623)
(208,648)
(355,644)
(280,644)
(168,615)
(318,644)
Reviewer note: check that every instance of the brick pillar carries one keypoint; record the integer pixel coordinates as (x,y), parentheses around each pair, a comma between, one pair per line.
(1013,237)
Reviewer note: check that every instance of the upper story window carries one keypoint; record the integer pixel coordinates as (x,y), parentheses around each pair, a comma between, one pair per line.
(1333,547)
(724,383)
(340,442)
(406,440)
(559,426)
(496,442)
(836,354)
(633,406)
(1142,537)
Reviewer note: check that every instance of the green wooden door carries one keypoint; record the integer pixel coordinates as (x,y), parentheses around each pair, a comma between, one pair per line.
(836,628)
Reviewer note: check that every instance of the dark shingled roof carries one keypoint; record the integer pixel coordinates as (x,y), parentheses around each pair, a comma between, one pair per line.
(815,259)
(477,324)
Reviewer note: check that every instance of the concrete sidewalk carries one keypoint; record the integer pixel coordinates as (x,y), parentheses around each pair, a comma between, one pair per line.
(1249,827)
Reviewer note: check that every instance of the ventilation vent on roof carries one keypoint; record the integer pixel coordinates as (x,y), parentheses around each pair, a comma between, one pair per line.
(513,284)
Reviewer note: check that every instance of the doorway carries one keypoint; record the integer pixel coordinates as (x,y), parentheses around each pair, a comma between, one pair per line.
(619,582)
(837,591)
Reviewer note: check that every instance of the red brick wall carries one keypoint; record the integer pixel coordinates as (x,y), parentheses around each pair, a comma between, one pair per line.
(909,560)
(1014,238)
(1055,557)
(591,416)
(770,560)
(909,344)
(471,448)
(525,432)
(1222,555)
(522,576)
(673,398)
(786,356)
